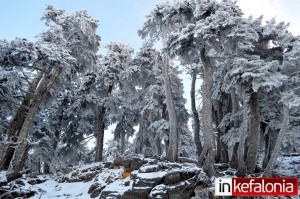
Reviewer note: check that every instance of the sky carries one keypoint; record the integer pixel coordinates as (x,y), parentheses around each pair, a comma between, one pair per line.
(120,19)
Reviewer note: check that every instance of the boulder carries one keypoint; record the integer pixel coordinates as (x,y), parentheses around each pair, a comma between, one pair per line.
(172,178)
(136,163)
(150,168)
(96,192)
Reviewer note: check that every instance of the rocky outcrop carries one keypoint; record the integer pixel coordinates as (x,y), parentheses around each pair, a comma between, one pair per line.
(148,178)
(16,189)
(125,178)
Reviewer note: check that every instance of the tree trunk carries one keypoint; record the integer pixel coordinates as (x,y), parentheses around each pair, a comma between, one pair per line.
(46,168)
(140,135)
(21,152)
(195,114)
(122,148)
(158,145)
(254,136)
(235,108)
(243,134)
(220,112)
(269,169)
(19,118)
(101,128)
(207,157)
(172,153)
(234,159)
(8,152)
(17,122)
(100,135)
(270,137)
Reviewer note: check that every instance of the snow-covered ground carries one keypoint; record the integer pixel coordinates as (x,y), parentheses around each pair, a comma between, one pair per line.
(112,182)
(53,189)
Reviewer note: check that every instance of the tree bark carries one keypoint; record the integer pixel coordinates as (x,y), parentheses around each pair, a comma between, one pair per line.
(243,134)
(269,169)
(234,159)
(101,128)
(207,157)
(122,148)
(254,136)
(158,145)
(46,168)
(100,135)
(195,114)
(220,111)
(140,136)
(21,152)
(19,118)
(17,122)
(234,108)
(270,137)
(172,153)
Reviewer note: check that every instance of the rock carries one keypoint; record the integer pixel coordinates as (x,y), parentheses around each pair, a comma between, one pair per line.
(84,170)
(222,167)
(127,183)
(126,163)
(150,168)
(185,175)
(96,192)
(172,178)
(159,191)
(109,165)
(110,194)
(170,191)
(36,181)
(3,183)
(89,176)
(179,191)
(20,182)
(70,180)
(93,187)
(33,175)
(204,193)
(74,174)
(147,180)
(137,192)
(231,173)
(96,168)
(136,163)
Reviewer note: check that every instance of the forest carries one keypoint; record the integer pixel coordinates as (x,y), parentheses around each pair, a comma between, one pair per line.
(59,92)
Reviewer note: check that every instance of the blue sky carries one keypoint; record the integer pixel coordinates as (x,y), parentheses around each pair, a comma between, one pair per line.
(119,19)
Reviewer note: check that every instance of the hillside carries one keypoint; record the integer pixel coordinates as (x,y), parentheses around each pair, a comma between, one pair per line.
(131,177)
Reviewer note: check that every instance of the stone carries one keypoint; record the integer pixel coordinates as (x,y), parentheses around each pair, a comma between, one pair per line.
(172,178)
(137,192)
(150,168)
(20,182)
(159,191)
(108,165)
(93,187)
(35,181)
(110,194)
(136,163)
(96,192)
(185,175)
